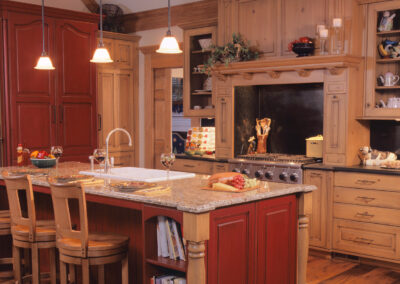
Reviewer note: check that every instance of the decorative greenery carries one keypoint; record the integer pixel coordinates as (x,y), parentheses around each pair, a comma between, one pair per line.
(237,50)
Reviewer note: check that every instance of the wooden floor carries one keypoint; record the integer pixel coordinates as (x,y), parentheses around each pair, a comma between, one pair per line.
(337,270)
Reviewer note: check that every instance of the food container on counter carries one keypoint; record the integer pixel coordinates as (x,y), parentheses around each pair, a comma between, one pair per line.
(314,146)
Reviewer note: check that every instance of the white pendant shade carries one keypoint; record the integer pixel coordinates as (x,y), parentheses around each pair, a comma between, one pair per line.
(101,55)
(44,63)
(169,45)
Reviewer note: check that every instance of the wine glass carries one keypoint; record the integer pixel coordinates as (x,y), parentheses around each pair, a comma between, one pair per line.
(57,152)
(167,160)
(99,155)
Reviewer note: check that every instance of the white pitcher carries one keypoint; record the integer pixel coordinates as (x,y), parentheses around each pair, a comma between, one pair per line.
(390,79)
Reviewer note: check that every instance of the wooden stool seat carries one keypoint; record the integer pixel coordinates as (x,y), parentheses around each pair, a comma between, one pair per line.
(5,223)
(5,229)
(80,247)
(28,233)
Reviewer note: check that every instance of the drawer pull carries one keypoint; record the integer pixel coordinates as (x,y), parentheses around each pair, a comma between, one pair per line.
(363,240)
(364,215)
(365,199)
(365,182)
(188,166)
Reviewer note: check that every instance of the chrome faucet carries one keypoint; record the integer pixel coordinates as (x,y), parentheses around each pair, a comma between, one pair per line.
(106,162)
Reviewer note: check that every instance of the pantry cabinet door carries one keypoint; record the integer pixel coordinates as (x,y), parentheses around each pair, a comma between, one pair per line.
(31,91)
(232,245)
(76,97)
(276,240)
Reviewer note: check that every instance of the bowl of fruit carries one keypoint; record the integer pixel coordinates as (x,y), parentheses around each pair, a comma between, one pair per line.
(42,159)
(304,46)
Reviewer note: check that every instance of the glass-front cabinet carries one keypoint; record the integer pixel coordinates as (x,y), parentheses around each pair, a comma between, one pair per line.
(382,85)
(198,98)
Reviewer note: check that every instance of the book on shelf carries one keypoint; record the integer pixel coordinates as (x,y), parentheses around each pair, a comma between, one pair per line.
(163,242)
(167,279)
(169,239)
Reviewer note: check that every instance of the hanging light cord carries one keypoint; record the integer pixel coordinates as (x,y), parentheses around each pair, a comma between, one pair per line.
(101,44)
(169,19)
(43,50)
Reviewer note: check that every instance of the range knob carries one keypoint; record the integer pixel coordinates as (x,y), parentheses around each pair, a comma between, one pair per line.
(246,172)
(283,176)
(269,174)
(294,177)
(258,174)
(236,170)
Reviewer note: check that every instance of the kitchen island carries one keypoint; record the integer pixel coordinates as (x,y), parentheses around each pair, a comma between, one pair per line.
(257,236)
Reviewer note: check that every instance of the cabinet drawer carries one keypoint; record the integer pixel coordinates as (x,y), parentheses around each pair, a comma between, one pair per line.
(367,214)
(220,167)
(368,181)
(367,197)
(366,239)
(193,166)
(336,87)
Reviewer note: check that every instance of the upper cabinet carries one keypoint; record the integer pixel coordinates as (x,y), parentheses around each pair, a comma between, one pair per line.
(198,100)
(270,25)
(382,96)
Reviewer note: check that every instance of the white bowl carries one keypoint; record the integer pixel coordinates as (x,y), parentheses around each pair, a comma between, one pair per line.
(205,43)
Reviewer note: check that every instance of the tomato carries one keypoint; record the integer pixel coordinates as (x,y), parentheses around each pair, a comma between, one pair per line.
(304,39)
(42,155)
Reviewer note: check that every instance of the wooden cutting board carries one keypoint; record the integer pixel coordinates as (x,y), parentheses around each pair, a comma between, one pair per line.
(234,191)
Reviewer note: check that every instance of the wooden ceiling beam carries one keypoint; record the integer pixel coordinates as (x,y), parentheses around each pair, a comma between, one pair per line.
(92,5)
(204,12)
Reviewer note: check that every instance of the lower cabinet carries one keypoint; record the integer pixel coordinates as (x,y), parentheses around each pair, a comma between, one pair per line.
(199,166)
(270,227)
(321,218)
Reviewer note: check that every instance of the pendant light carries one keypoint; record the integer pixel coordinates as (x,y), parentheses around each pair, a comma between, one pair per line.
(101,54)
(44,62)
(169,43)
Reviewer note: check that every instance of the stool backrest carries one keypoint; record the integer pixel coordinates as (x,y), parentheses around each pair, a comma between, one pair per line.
(14,185)
(61,194)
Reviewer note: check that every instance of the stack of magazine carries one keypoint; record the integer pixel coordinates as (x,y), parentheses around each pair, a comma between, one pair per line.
(169,239)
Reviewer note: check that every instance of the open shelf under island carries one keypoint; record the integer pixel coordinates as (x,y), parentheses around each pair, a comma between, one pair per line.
(259,236)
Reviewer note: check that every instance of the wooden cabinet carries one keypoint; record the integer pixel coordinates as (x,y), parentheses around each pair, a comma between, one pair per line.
(116,83)
(224,125)
(45,108)
(231,259)
(378,65)
(198,99)
(366,215)
(321,218)
(199,166)
(236,231)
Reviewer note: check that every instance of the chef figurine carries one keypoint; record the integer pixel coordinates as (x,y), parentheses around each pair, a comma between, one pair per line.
(262,129)
(252,145)
(386,23)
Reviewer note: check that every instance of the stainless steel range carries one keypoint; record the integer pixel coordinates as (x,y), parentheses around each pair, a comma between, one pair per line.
(272,167)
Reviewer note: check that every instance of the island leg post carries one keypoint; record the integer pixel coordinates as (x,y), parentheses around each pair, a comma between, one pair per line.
(196,230)
(304,210)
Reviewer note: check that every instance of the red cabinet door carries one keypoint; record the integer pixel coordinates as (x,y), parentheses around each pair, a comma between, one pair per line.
(232,245)
(276,240)
(31,92)
(76,89)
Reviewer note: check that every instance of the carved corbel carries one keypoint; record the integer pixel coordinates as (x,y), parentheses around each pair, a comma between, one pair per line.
(274,74)
(247,76)
(220,77)
(336,70)
(304,72)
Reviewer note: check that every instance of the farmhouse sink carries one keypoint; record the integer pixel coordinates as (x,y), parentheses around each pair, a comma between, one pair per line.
(138,174)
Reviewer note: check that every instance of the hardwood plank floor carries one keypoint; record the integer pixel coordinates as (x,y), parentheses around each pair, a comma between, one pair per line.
(342,271)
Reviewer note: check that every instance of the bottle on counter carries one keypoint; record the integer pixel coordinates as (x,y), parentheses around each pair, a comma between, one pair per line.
(20,155)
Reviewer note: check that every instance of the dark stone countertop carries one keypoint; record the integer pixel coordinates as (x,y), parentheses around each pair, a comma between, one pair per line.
(210,158)
(355,169)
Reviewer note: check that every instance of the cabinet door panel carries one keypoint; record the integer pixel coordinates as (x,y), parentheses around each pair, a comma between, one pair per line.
(276,240)
(77,131)
(300,17)
(231,245)
(124,85)
(334,135)
(31,91)
(123,53)
(34,125)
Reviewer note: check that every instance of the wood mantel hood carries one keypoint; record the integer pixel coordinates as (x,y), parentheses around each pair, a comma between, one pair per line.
(274,66)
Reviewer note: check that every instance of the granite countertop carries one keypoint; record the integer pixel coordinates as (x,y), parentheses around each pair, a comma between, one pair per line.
(185,194)
(210,158)
(355,169)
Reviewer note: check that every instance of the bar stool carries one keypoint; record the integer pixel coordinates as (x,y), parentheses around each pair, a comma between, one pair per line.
(78,247)
(5,230)
(27,232)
